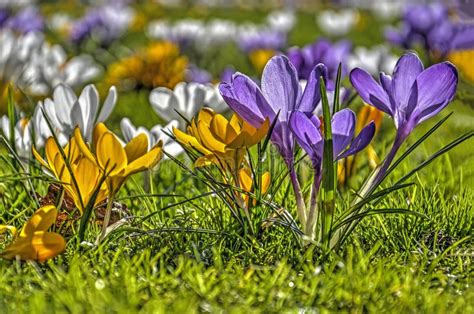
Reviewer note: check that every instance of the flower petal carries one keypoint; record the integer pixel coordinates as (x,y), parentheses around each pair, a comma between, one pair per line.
(245,98)
(436,87)
(311,95)
(343,126)
(147,161)
(41,220)
(408,67)
(136,147)
(307,133)
(110,154)
(370,91)
(280,86)
(360,142)
(108,106)
(164,102)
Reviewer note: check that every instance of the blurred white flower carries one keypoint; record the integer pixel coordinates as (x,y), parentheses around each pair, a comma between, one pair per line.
(155,134)
(37,67)
(66,111)
(159,30)
(337,23)
(23,135)
(374,60)
(60,22)
(219,31)
(282,21)
(187,99)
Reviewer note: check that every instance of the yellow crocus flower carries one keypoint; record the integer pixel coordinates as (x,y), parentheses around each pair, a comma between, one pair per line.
(85,177)
(116,160)
(34,241)
(160,64)
(246,184)
(220,141)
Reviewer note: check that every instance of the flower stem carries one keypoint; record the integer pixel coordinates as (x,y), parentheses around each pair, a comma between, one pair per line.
(300,205)
(105,223)
(313,214)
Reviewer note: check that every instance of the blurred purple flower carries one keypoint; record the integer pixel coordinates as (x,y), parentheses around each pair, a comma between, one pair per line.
(198,75)
(106,23)
(431,26)
(255,39)
(321,51)
(410,96)
(29,19)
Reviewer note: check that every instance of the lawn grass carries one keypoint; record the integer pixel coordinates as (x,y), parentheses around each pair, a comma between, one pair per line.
(193,258)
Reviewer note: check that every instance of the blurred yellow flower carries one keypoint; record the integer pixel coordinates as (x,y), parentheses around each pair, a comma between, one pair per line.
(246,184)
(34,241)
(463,59)
(160,64)
(85,177)
(259,58)
(220,141)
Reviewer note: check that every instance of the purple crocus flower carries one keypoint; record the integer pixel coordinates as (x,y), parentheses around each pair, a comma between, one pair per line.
(106,22)
(27,20)
(198,75)
(306,128)
(322,51)
(410,96)
(280,95)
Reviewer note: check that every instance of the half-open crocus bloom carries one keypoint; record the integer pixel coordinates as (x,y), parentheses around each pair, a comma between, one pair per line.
(114,159)
(34,241)
(281,93)
(309,136)
(81,179)
(246,184)
(220,141)
(410,96)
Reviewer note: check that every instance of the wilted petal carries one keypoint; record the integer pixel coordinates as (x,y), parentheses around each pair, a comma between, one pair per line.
(343,126)
(370,91)
(280,86)
(360,142)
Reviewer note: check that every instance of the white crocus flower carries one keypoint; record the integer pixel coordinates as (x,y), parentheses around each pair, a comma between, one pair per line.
(337,23)
(187,99)
(282,21)
(159,30)
(37,67)
(155,134)
(219,31)
(23,135)
(66,111)
(375,60)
